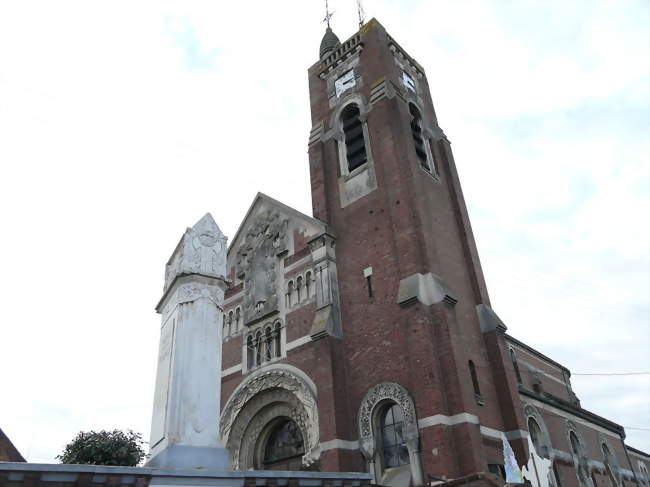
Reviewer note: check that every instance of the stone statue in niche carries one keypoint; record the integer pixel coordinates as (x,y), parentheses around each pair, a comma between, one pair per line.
(202,250)
(256,264)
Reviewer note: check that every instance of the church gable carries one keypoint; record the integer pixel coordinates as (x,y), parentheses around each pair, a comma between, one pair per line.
(270,245)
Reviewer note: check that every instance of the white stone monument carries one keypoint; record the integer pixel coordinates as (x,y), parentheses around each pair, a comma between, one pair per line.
(185,420)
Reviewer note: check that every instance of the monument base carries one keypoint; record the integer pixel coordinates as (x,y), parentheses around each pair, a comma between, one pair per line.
(187,457)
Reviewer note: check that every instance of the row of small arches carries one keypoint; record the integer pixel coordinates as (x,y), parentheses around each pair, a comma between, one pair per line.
(263,345)
(577,451)
(232,322)
(299,289)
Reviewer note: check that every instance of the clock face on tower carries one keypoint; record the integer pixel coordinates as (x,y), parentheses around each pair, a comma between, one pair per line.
(345,82)
(408,82)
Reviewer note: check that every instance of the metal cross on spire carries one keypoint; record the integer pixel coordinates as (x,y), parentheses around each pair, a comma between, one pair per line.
(361,13)
(328,14)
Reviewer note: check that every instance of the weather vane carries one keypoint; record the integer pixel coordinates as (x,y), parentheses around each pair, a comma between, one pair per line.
(361,13)
(328,14)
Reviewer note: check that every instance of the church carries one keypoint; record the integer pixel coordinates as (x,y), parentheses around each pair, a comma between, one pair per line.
(361,338)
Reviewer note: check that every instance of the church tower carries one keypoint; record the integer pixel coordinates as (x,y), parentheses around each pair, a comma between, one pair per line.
(361,339)
(416,321)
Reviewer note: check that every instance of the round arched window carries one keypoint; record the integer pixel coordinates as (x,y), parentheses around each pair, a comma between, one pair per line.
(535,435)
(284,447)
(394,448)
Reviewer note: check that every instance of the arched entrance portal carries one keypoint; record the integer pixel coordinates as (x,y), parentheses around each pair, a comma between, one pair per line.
(271,422)
(281,446)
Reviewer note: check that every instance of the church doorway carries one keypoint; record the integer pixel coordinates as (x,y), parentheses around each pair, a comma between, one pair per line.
(281,446)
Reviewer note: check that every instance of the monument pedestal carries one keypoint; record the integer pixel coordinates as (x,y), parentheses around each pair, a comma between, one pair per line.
(185,420)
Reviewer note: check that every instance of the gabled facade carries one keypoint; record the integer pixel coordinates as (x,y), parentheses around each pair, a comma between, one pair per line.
(362,338)
(8,452)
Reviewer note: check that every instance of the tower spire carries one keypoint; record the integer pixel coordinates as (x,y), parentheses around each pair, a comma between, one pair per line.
(330,41)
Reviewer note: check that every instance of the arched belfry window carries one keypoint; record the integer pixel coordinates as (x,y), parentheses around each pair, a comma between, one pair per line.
(418,139)
(355,143)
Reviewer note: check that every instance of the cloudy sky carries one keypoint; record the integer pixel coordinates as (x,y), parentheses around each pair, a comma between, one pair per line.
(123,122)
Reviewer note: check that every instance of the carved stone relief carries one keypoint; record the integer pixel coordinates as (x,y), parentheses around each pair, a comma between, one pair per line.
(202,250)
(246,413)
(256,264)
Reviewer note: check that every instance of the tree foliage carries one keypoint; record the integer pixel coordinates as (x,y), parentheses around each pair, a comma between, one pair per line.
(104,448)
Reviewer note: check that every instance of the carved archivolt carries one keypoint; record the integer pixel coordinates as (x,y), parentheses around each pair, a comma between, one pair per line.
(258,400)
(387,391)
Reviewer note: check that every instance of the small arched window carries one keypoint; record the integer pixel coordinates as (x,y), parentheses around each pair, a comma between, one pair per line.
(355,143)
(576,452)
(643,470)
(472,372)
(230,323)
(394,451)
(299,288)
(308,285)
(250,352)
(290,294)
(609,462)
(418,140)
(277,340)
(237,318)
(258,348)
(535,436)
(515,365)
(268,344)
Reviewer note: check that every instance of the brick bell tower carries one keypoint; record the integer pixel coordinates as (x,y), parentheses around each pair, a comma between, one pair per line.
(417,327)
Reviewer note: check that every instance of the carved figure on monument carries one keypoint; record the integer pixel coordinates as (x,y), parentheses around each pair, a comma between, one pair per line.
(202,250)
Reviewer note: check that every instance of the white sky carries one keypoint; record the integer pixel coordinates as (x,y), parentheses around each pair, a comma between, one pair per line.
(122,123)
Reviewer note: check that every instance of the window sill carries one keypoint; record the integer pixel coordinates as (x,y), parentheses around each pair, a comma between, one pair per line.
(432,174)
(356,171)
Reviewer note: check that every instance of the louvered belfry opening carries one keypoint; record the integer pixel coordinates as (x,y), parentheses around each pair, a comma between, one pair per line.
(355,144)
(418,141)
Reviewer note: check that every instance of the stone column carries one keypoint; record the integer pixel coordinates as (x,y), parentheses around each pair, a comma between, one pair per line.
(327,320)
(186,410)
